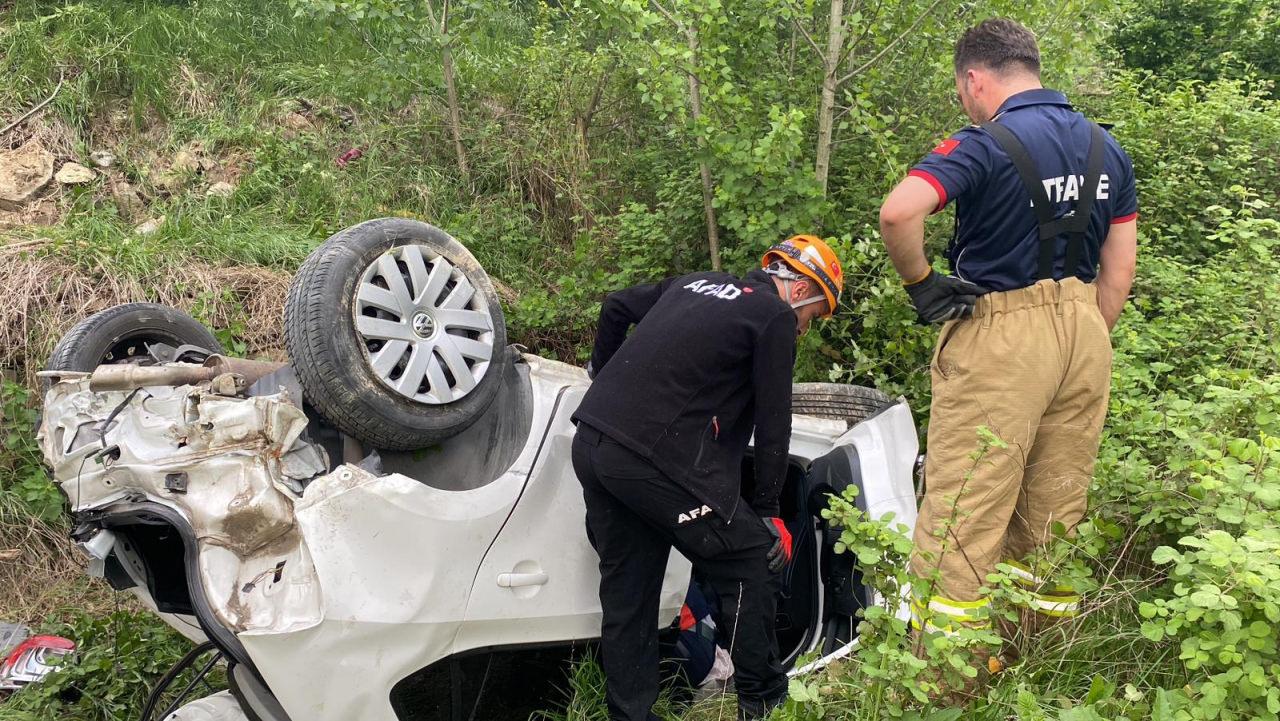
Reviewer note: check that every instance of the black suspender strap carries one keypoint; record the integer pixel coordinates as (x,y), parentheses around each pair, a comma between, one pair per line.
(1079,229)
(1075,224)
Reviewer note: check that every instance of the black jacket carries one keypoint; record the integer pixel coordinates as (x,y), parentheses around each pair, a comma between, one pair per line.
(710,360)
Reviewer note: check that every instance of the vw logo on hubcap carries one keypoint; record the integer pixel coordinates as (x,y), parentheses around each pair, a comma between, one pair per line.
(424,325)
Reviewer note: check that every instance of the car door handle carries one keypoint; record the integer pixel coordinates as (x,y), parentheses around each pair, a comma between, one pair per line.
(516,580)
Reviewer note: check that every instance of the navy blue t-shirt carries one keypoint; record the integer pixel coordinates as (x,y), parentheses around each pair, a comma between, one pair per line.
(997,241)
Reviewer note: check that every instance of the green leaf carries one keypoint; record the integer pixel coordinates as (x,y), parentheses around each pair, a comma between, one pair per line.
(1028,706)
(1206,598)
(1152,631)
(1098,690)
(1080,713)
(1162,709)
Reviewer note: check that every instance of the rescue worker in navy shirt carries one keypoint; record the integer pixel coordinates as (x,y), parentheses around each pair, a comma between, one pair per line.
(1041,263)
(661,437)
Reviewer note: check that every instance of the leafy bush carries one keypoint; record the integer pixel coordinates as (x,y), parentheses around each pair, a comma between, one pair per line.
(118,659)
(1225,610)
(1201,39)
(22,471)
(1196,148)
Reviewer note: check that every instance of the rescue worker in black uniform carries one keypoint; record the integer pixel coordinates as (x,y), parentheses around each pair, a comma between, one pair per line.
(661,437)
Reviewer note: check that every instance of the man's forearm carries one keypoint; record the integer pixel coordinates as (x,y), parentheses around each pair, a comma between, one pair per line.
(1112,292)
(905,243)
(902,227)
(611,330)
(1116,268)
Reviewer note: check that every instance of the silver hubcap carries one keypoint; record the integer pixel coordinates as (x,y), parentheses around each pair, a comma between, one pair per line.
(427,333)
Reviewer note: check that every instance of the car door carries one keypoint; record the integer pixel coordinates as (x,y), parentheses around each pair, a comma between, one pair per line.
(887,446)
(539,582)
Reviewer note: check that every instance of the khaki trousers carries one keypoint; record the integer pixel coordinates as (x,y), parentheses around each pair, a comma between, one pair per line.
(1034,366)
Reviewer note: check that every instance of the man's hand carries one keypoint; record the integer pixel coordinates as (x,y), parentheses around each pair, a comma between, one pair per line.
(939,298)
(780,554)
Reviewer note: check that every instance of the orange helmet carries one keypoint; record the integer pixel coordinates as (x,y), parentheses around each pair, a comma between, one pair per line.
(808,256)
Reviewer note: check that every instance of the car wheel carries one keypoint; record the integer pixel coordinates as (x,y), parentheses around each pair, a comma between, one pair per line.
(142,333)
(838,401)
(396,333)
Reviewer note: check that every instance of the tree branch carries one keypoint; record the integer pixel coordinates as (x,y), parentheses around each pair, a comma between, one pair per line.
(807,36)
(867,24)
(875,58)
(667,14)
(61,77)
(585,118)
(691,41)
(431,17)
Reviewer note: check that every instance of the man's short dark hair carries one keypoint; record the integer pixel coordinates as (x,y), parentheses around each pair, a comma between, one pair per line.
(1000,45)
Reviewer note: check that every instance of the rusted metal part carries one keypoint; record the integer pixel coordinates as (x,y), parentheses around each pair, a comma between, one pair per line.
(128,377)
(251,370)
(228,384)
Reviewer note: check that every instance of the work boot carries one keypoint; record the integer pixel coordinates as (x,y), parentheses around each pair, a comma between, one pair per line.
(752,709)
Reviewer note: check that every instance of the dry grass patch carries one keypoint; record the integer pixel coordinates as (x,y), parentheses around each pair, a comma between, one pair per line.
(46,293)
(42,574)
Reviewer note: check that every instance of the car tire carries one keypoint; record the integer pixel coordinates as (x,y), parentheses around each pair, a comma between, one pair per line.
(838,401)
(119,335)
(396,333)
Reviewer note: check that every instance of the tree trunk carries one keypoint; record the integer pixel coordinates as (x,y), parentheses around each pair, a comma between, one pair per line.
(826,105)
(708,190)
(451,89)
(582,120)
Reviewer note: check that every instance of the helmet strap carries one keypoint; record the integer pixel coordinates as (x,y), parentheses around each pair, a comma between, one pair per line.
(788,279)
(809,301)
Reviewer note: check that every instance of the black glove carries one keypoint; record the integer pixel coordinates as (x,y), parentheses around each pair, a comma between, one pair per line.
(939,298)
(780,554)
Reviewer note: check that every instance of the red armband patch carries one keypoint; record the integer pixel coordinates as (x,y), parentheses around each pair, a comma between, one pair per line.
(946,146)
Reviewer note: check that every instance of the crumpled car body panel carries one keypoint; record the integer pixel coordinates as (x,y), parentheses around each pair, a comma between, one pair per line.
(216,460)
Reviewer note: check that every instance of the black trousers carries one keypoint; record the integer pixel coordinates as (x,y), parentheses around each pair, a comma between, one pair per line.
(634,517)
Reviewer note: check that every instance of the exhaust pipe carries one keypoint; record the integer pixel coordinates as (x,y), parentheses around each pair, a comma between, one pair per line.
(128,377)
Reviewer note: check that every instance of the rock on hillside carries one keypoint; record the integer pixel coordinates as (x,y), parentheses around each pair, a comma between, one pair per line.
(24,172)
(74,174)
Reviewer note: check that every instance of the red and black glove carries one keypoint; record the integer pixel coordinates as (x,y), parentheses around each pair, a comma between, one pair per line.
(780,554)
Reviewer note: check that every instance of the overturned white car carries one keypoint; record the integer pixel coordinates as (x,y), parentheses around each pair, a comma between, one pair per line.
(360,532)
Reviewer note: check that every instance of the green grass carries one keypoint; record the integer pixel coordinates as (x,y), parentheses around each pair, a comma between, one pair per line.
(221,74)
(584,700)
(1101,654)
